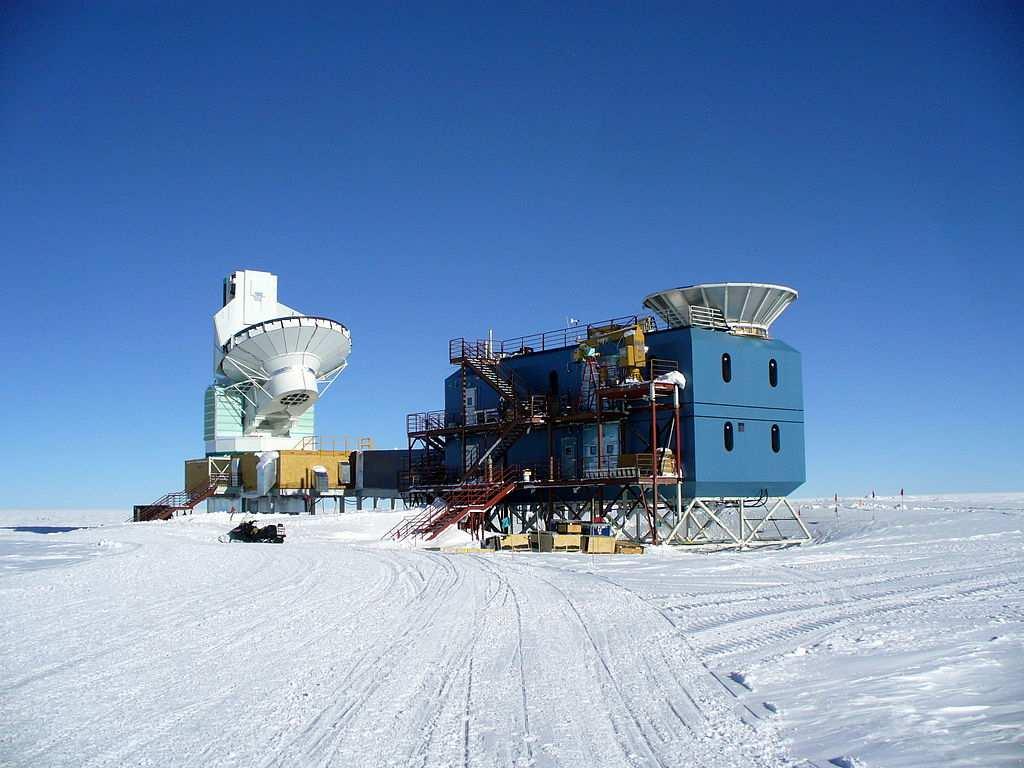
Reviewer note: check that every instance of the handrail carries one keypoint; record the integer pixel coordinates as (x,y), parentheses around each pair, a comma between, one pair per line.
(540,342)
(425,421)
(321,443)
(459,501)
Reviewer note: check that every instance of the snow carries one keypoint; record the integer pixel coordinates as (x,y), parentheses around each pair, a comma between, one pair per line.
(673,377)
(894,640)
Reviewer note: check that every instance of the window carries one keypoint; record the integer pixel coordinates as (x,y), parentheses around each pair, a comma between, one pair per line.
(776,444)
(773,372)
(728,436)
(726,368)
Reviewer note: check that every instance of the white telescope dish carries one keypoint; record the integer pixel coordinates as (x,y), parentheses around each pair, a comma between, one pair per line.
(744,308)
(285,359)
(277,359)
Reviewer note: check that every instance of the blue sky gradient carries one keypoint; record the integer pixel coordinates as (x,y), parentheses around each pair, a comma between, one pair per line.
(420,175)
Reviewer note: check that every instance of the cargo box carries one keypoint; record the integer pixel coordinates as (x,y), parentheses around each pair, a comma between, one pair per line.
(568,526)
(514,541)
(597,529)
(551,542)
(599,545)
(628,548)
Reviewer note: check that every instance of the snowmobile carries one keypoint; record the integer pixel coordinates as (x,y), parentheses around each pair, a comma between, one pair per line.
(249,532)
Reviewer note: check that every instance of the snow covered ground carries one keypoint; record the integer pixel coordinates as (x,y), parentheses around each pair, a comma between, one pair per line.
(896,640)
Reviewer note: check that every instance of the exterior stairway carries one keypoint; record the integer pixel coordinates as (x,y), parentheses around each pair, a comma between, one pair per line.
(511,432)
(170,504)
(454,506)
(476,355)
(521,410)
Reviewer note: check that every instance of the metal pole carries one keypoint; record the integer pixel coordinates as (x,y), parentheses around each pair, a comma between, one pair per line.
(654,459)
(600,437)
(679,453)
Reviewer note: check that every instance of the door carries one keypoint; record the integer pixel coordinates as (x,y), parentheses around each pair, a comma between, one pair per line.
(568,457)
(611,446)
(470,406)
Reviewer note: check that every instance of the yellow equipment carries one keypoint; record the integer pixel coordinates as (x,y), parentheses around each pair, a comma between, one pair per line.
(632,351)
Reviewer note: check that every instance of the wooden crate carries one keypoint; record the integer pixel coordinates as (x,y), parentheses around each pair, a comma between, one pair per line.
(568,527)
(555,542)
(599,545)
(515,541)
(628,548)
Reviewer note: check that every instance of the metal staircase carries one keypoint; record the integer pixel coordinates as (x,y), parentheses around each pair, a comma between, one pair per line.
(481,486)
(520,419)
(478,357)
(520,410)
(170,504)
(455,505)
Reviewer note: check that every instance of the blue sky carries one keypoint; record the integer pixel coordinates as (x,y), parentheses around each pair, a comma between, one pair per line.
(421,175)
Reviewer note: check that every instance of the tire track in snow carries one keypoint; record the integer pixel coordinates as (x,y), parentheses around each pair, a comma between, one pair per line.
(686,640)
(653,683)
(464,659)
(373,668)
(178,717)
(749,631)
(611,677)
(510,591)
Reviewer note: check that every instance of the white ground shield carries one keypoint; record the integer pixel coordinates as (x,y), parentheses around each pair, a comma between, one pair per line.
(749,308)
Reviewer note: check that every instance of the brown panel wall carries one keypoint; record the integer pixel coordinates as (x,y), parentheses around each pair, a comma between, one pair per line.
(294,468)
(247,470)
(197,473)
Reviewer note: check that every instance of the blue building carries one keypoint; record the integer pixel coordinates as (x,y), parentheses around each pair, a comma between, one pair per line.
(685,426)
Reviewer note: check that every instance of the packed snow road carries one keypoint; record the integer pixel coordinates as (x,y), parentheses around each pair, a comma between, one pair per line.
(895,640)
(183,651)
